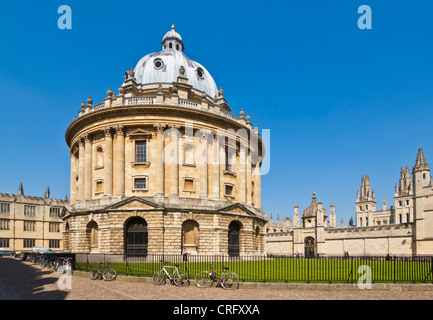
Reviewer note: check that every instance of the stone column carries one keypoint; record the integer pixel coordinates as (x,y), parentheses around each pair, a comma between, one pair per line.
(222,164)
(108,162)
(257,187)
(248,178)
(216,169)
(87,167)
(73,191)
(174,160)
(242,174)
(203,164)
(80,169)
(159,159)
(119,167)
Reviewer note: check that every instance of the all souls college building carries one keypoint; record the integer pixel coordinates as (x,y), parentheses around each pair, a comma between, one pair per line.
(404,229)
(163,166)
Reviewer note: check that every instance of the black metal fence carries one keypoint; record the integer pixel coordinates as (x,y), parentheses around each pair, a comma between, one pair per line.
(282,268)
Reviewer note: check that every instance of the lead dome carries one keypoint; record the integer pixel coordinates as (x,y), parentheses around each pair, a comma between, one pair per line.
(164,66)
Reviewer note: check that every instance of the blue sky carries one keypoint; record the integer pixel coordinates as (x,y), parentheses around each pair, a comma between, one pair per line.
(340,102)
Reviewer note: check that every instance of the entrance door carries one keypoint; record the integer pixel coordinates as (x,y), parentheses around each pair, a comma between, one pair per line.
(136,237)
(309,247)
(234,231)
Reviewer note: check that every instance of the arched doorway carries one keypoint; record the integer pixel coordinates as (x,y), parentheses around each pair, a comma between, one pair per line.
(190,236)
(136,237)
(92,236)
(309,247)
(233,241)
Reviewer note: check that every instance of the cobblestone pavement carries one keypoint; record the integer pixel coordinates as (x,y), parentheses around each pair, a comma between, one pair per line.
(26,281)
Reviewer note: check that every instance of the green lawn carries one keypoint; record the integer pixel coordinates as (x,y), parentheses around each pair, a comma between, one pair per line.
(289,269)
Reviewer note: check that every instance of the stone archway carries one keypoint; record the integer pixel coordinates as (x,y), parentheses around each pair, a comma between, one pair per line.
(136,237)
(234,239)
(93,236)
(190,236)
(309,247)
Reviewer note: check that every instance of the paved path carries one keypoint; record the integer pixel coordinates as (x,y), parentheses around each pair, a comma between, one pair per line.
(26,281)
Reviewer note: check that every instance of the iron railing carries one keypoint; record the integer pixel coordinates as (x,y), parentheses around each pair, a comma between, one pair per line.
(273,268)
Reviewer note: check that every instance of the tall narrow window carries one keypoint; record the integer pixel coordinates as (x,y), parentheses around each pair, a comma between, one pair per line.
(99,157)
(140,151)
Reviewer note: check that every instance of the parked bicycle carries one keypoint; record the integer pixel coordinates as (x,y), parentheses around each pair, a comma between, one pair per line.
(179,278)
(103,271)
(228,280)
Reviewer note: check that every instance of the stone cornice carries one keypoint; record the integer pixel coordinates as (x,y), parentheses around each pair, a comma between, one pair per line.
(163,110)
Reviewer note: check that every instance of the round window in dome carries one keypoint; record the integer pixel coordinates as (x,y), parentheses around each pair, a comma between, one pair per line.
(200,73)
(158,63)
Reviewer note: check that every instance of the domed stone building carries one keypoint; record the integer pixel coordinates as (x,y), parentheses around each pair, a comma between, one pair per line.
(164,166)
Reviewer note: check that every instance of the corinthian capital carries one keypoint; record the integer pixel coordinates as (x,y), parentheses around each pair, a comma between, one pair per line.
(159,127)
(107,131)
(120,130)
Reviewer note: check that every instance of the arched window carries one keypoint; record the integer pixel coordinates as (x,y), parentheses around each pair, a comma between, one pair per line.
(136,237)
(233,240)
(190,236)
(257,239)
(99,157)
(92,236)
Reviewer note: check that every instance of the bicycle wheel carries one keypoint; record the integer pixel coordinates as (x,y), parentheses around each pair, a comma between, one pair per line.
(203,280)
(158,278)
(109,274)
(94,274)
(230,280)
(181,279)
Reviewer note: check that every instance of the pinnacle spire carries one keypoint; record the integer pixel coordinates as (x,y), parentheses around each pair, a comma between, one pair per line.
(420,163)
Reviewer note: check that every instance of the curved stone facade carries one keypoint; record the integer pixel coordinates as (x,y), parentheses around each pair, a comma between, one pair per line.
(168,153)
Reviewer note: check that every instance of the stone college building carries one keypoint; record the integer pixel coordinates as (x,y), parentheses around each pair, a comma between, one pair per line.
(163,165)
(404,229)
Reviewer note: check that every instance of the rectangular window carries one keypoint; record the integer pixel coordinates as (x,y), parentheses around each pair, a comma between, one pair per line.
(5,208)
(55,244)
(189,185)
(54,227)
(227,158)
(99,186)
(140,151)
(140,183)
(29,210)
(54,212)
(4,243)
(229,190)
(29,226)
(28,243)
(4,225)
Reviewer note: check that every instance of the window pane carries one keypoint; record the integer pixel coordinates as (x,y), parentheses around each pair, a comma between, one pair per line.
(140,183)
(140,151)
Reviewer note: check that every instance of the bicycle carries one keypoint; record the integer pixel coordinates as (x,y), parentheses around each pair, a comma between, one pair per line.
(228,280)
(179,278)
(108,274)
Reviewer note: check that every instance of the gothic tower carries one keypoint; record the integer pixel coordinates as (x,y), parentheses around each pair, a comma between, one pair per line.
(365,203)
(423,209)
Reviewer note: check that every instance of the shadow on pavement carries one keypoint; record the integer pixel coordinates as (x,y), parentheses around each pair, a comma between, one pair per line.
(26,281)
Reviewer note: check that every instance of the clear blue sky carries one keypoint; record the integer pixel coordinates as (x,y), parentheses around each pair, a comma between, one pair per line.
(340,102)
